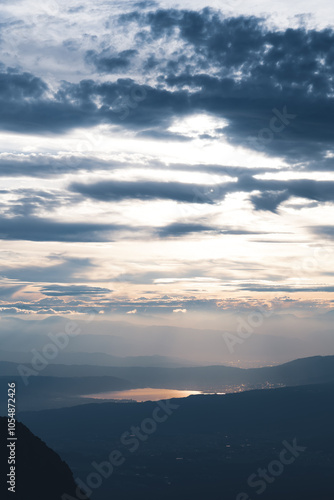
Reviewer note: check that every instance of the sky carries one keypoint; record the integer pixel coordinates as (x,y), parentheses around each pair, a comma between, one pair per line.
(166,160)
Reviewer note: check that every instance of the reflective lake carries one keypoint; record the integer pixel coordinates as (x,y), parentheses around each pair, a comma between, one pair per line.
(146,394)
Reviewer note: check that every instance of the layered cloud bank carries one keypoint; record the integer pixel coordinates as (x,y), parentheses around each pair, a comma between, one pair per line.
(158,159)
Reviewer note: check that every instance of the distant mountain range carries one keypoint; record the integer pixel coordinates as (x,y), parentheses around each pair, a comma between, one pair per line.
(281,338)
(97,359)
(62,385)
(40,474)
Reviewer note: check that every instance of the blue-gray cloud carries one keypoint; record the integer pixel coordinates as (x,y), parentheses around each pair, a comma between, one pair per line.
(64,270)
(287,289)
(7,291)
(179,229)
(141,190)
(44,165)
(273,87)
(272,192)
(74,290)
(106,62)
(48,165)
(323,231)
(39,229)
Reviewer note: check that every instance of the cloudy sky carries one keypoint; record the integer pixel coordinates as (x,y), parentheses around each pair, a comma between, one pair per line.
(166,157)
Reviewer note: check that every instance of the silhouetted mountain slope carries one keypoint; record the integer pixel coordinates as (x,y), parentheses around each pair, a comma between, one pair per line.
(40,472)
(305,408)
(315,370)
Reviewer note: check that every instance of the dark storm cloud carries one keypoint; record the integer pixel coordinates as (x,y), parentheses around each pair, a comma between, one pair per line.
(105,62)
(269,200)
(32,228)
(182,229)
(28,202)
(141,190)
(26,107)
(73,290)
(272,192)
(19,86)
(38,229)
(231,40)
(43,165)
(276,68)
(274,88)
(290,57)
(47,165)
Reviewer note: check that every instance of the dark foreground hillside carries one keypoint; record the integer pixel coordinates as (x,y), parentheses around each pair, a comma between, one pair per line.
(40,472)
(269,444)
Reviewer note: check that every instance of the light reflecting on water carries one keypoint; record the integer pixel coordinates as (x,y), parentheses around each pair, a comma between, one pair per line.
(146,394)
